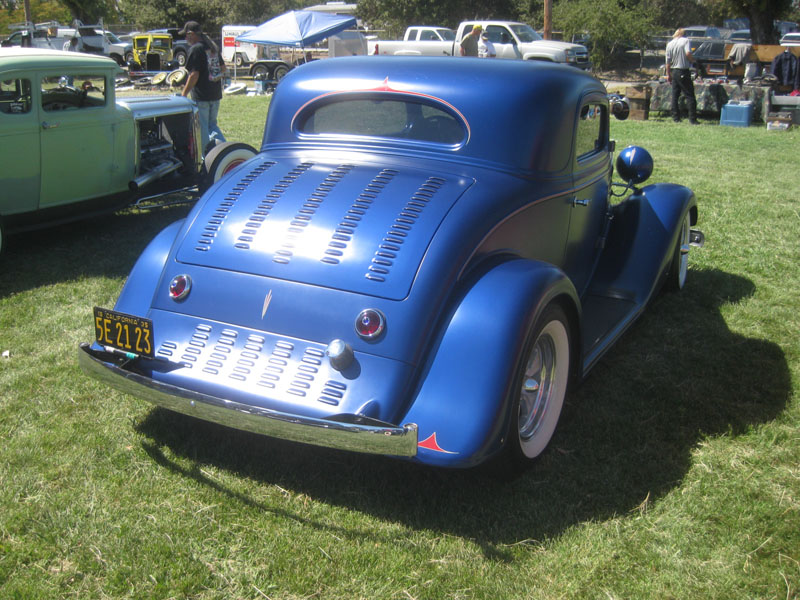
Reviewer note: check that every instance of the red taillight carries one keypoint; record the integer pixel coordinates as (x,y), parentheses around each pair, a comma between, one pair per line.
(179,287)
(370,323)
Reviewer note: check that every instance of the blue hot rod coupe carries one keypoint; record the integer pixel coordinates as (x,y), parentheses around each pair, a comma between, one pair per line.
(412,265)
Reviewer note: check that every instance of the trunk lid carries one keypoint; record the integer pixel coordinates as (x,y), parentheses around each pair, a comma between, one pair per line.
(360,228)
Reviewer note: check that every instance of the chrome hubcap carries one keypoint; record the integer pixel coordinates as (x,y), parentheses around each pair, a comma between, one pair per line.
(538,386)
(683,267)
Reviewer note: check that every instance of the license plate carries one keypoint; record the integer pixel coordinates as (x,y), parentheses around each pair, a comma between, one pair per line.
(127,333)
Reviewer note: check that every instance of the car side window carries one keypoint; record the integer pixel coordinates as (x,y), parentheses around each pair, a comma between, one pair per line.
(73,92)
(591,131)
(15,96)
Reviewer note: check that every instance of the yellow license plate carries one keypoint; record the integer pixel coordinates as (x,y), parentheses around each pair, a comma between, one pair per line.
(127,333)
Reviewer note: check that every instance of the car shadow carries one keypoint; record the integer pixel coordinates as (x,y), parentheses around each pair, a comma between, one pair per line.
(106,245)
(626,437)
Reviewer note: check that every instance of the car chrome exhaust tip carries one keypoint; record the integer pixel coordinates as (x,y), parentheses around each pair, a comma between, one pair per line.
(160,171)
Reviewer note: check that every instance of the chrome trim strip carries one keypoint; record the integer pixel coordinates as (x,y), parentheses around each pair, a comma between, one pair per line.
(393,441)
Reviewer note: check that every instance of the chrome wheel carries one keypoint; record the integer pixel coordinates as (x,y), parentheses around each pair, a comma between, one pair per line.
(543,384)
(679,268)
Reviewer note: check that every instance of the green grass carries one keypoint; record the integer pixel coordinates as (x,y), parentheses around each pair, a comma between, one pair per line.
(675,472)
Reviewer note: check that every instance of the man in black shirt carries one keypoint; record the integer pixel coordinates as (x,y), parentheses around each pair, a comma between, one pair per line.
(204,82)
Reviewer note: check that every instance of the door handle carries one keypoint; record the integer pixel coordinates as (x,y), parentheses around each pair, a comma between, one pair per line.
(46,125)
(582,202)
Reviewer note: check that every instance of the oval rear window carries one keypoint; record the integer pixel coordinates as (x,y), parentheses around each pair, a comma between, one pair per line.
(403,119)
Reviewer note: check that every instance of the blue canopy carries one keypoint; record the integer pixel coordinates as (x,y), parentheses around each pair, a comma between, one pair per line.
(297,28)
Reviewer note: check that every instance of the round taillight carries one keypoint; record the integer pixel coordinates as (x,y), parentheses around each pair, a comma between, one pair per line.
(370,323)
(179,287)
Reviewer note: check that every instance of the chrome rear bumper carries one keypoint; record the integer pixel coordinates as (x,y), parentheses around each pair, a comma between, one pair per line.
(355,437)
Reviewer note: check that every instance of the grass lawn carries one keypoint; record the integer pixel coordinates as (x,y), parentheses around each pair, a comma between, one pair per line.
(675,472)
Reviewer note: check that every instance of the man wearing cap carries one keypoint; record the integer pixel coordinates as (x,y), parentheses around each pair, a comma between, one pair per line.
(205,80)
(469,45)
(486,47)
(678,62)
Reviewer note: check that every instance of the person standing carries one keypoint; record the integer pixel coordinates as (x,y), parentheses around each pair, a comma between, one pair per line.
(486,47)
(678,62)
(469,45)
(74,44)
(204,82)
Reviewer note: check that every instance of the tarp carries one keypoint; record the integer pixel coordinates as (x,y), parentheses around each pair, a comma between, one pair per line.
(297,28)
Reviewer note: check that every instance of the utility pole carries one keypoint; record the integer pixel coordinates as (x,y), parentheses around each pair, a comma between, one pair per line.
(548,19)
(28,16)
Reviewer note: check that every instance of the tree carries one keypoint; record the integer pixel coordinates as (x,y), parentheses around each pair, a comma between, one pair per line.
(393,16)
(609,26)
(211,14)
(762,15)
(91,11)
(41,10)
(671,14)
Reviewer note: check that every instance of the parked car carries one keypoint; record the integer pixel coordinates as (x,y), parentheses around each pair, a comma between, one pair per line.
(511,40)
(790,39)
(407,267)
(740,36)
(702,31)
(70,149)
(121,51)
(180,47)
(701,34)
(153,52)
(39,35)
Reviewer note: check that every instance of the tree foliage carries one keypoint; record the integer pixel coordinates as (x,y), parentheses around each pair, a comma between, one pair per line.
(671,14)
(762,15)
(609,23)
(393,16)
(609,27)
(91,11)
(46,10)
(211,14)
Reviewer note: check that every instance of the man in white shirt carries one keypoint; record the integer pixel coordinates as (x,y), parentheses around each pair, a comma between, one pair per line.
(678,62)
(486,47)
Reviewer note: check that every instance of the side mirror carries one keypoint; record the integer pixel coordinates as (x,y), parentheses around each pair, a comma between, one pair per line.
(634,165)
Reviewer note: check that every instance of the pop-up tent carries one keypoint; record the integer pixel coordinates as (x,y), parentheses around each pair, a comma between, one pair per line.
(297,28)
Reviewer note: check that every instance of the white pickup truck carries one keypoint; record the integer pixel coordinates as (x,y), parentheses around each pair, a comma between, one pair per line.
(510,39)
(419,40)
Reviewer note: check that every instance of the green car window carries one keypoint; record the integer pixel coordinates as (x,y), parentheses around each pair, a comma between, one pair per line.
(15,96)
(73,92)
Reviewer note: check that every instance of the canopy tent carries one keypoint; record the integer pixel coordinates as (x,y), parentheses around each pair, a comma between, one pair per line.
(297,28)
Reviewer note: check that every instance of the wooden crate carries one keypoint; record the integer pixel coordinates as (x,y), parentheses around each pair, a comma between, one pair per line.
(639,100)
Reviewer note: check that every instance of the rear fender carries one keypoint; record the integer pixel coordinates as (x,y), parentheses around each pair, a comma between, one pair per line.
(142,283)
(643,234)
(462,405)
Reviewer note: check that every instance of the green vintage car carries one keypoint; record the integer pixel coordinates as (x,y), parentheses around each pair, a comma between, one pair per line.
(70,149)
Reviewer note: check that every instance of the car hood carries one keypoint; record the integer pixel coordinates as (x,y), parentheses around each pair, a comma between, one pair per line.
(361,228)
(556,45)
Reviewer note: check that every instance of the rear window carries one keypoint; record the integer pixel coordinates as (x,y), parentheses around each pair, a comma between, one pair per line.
(383,117)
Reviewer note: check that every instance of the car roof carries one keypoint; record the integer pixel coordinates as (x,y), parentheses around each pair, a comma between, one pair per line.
(16,57)
(703,30)
(532,123)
